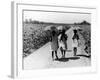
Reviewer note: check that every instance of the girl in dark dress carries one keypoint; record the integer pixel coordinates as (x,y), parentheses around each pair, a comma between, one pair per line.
(54,43)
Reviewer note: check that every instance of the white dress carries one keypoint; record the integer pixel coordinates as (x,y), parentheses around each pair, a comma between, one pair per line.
(75,43)
(61,43)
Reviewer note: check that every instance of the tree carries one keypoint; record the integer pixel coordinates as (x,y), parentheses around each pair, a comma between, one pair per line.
(85,23)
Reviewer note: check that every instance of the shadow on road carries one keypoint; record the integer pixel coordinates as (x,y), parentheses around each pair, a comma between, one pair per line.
(67,59)
(85,56)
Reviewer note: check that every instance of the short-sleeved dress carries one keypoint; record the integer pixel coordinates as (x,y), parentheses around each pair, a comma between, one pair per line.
(54,42)
(75,43)
(62,43)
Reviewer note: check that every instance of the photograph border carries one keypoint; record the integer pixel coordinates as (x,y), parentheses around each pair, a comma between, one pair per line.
(16,69)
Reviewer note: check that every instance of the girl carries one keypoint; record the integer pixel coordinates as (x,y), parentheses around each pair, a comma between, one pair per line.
(62,43)
(54,43)
(75,41)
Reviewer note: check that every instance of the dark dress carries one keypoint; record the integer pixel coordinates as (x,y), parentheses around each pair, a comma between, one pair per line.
(54,41)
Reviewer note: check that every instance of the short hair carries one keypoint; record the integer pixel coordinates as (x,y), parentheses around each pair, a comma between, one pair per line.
(75,31)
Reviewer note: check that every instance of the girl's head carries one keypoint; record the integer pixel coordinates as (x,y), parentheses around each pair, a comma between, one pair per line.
(53,33)
(75,31)
(63,31)
(53,28)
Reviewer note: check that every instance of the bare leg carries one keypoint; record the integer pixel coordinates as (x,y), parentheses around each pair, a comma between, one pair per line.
(64,53)
(75,51)
(61,51)
(56,54)
(53,55)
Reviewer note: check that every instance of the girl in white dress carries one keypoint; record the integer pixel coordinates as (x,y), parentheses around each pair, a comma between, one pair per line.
(75,41)
(62,43)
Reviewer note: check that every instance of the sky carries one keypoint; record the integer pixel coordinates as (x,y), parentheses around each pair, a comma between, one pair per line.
(56,17)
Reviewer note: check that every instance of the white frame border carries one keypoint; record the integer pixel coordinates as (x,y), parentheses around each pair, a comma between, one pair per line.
(16,70)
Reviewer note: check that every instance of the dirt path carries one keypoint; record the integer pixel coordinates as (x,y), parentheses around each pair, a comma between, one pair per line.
(42,57)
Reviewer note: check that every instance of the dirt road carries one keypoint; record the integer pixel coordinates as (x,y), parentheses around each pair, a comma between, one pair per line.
(42,57)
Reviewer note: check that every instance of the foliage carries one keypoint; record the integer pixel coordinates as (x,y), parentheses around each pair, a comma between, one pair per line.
(34,40)
(87,37)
